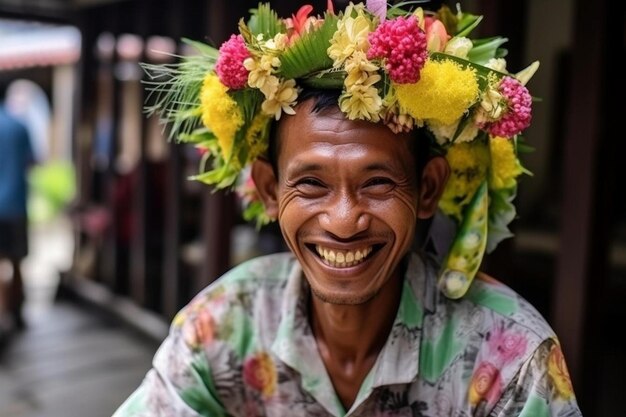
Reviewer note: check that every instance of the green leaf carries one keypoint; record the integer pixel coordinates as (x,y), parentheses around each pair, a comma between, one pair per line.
(264,20)
(467,250)
(308,53)
(482,72)
(203,48)
(466,23)
(485,49)
(400,10)
(501,214)
(174,89)
(329,79)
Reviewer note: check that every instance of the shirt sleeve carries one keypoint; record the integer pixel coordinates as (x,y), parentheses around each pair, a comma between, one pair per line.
(541,388)
(179,384)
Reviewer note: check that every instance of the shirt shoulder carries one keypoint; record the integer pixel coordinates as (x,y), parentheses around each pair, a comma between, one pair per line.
(230,309)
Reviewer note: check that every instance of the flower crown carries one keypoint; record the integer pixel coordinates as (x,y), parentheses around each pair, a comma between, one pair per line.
(406,68)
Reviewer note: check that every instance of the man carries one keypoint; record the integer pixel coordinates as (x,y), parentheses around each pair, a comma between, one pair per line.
(16,156)
(354,321)
(351,321)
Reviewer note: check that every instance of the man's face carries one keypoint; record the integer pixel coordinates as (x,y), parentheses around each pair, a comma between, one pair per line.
(347,201)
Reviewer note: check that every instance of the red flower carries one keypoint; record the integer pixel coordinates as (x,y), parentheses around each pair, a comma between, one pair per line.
(259,372)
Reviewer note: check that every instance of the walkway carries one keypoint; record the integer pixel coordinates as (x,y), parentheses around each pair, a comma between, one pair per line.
(71,361)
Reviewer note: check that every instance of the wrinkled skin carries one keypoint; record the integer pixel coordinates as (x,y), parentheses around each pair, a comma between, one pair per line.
(350,188)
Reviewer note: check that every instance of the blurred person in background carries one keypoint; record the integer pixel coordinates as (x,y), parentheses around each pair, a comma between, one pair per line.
(16,156)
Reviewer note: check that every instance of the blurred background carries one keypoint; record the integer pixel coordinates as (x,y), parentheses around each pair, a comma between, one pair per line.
(120,239)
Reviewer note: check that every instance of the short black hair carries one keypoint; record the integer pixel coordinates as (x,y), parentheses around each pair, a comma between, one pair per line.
(325,99)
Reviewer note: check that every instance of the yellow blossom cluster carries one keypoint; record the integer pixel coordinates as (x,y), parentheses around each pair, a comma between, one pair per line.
(280,95)
(348,47)
(443,94)
(468,162)
(505,167)
(351,35)
(220,113)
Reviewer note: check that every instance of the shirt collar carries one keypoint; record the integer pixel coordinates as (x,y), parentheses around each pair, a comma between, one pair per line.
(398,361)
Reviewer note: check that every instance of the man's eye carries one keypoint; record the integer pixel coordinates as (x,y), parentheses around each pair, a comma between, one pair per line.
(309,182)
(379,181)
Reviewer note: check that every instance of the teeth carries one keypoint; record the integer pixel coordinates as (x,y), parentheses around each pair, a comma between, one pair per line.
(342,259)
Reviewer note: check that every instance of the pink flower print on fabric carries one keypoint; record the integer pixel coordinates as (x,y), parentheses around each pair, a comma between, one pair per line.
(507,346)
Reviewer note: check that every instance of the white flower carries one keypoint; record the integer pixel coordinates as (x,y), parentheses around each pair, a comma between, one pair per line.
(445,132)
(459,46)
(497,64)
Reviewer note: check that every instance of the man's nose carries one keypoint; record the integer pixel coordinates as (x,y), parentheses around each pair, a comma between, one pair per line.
(345,216)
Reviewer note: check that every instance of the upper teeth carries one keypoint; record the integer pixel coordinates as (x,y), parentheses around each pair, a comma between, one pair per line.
(341,259)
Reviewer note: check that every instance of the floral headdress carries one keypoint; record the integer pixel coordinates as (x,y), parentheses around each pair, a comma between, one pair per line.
(406,68)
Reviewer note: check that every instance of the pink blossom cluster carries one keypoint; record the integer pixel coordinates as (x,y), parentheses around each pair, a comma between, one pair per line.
(402,44)
(229,66)
(518,115)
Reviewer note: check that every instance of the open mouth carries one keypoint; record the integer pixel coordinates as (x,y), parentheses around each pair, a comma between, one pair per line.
(345,258)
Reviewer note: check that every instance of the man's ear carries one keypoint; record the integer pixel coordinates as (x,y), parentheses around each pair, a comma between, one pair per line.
(266,185)
(434,178)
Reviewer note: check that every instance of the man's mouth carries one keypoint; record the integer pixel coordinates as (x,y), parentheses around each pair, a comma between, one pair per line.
(343,258)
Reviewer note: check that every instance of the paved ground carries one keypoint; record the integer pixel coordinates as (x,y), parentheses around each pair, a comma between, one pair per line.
(71,362)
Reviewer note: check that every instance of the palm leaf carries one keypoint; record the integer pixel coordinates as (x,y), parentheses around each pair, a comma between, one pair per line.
(309,52)
(264,20)
(328,79)
(173,89)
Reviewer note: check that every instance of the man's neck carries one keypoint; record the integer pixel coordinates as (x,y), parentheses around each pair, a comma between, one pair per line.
(350,337)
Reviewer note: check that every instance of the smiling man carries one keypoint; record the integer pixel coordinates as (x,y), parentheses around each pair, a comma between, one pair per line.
(356,320)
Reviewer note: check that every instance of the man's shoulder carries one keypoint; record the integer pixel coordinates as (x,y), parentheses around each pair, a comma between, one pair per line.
(268,268)
(507,306)
(251,279)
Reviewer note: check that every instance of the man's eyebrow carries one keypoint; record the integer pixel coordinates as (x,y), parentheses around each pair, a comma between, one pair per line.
(302,167)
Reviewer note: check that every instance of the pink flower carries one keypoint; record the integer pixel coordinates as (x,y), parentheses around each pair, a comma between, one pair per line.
(229,66)
(436,35)
(518,114)
(507,346)
(402,44)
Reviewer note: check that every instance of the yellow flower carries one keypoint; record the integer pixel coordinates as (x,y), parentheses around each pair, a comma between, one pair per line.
(361,101)
(220,113)
(505,166)
(256,135)
(468,162)
(282,100)
(261,70)
(351,35)
(557,370)
(444,92)
(359,68)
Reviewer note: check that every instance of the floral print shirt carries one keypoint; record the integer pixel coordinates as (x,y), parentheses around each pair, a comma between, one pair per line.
(243,347)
